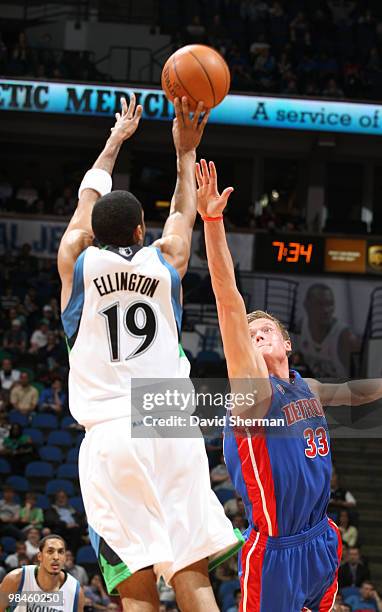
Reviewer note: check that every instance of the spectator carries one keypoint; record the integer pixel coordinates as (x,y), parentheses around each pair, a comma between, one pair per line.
(77,571)
(27,193)
(8,375)
(354,572)
(39,338)
(8,299)
(96,592)
(30,301)
(26,262)
(12,561)
(15,339)
(220,477)
(63,519)
(332,90)
(23,560)
(196,31)
(339,497)
(236,606)
(30,514)
(23,396)
(53,399)
(65,203)
(53,354)
(349,533)
(18,449)
(9,514)
(234,506)
(32,542)
(4,429)
(51,317)
(366,599)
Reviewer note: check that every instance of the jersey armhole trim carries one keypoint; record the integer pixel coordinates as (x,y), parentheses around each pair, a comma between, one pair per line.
(76,597)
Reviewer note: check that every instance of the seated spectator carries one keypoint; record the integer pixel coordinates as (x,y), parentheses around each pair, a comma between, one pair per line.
(30,301)
(234,506)
(96,593)
(77,571)
(24,560)
(26,262)
(12,561)
(8,375)
(354,572)
(236,607)
(339,497)
(239,522)
(63,519)
(23,396)
(4,428)
(332,90)
(196,31)
(51,317)
(15,339)
(366,599)
(8,299)
(30,514)
(27,194)
(39,338)
(9,515)
(349,533)
(220,477)
(65,203)
(18,449)
(53,399)
(32,542)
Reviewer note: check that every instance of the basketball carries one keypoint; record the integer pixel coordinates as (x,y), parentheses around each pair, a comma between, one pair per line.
(198,72)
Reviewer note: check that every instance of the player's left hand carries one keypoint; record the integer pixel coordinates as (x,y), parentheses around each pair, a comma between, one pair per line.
(187,130)
(210,202)
(127,120)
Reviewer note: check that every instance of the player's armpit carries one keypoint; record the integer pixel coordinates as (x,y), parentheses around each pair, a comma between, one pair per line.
(176,251)
(9,585)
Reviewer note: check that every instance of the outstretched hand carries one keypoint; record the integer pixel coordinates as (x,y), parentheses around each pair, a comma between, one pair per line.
(127,120)
(187,130)
(210,202)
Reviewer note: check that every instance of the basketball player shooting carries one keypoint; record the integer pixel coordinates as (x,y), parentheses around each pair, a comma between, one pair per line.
(148,501)
(292,552)
(43,587)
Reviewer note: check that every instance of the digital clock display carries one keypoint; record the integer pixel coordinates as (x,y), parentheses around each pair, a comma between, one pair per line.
(288,254)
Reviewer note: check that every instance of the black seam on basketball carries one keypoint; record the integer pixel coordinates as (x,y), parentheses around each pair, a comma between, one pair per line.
(181,82)
(207,75)
(227,72)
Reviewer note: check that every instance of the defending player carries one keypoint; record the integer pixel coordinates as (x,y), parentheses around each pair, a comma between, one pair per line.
(148,502)
(292,553)
(43,583)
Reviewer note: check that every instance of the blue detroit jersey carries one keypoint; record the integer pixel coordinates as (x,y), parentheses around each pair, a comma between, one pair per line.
(283,473)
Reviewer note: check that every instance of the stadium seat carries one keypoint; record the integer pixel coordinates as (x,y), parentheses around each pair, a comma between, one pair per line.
(51,453)
(5,468)
(16,418)
(60,438)
(45,421)
(9,544)
(77,504)
(67,421)
(86,557)
(224,495)
(43,502)
(18,483)
(72,456)
(35,435)
(39,469)
(59,484)
(68,470)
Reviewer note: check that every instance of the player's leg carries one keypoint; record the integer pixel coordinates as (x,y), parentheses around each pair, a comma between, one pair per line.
(139,592)
(193,588)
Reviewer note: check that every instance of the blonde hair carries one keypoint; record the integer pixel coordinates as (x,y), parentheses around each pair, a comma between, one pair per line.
(261,314)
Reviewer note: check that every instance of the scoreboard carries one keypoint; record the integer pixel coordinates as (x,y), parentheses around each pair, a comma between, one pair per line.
(299,254)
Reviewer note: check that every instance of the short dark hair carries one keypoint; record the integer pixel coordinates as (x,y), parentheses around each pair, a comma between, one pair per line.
(115,216)
(51,536)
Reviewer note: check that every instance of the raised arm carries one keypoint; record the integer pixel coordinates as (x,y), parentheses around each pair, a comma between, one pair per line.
(351,393)
(9,586)
(187,132)
(79,235)
(243,360)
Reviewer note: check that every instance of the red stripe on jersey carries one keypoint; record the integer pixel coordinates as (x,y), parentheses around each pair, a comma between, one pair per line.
(252,557)
(257,473)
(327,602)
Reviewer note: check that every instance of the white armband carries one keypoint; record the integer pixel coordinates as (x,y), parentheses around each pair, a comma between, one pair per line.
(96,179)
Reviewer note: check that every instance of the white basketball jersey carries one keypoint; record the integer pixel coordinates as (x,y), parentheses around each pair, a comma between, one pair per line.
(68,594)
(323,357)
(122,322)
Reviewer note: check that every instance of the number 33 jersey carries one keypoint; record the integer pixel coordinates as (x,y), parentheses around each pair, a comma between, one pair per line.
(122,322)
(283,472)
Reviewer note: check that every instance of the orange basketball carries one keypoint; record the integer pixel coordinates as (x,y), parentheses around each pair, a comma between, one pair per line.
(198,72)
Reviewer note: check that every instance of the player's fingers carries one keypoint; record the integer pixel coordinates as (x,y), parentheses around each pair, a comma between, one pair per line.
(198,174)
(185,111)
(203,122)
(197,113)
(178,110)
(138,112)
(131,109)
(226,193)
(124,106)
(117,116)
(213,174)
(206,174)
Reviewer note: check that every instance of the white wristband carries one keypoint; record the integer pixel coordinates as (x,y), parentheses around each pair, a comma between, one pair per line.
(96,179)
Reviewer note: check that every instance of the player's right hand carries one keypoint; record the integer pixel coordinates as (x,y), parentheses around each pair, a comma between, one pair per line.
(210,202)
(187,130)
(127,120)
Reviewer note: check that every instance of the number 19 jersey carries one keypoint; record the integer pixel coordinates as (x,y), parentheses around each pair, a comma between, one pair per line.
(122,321)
